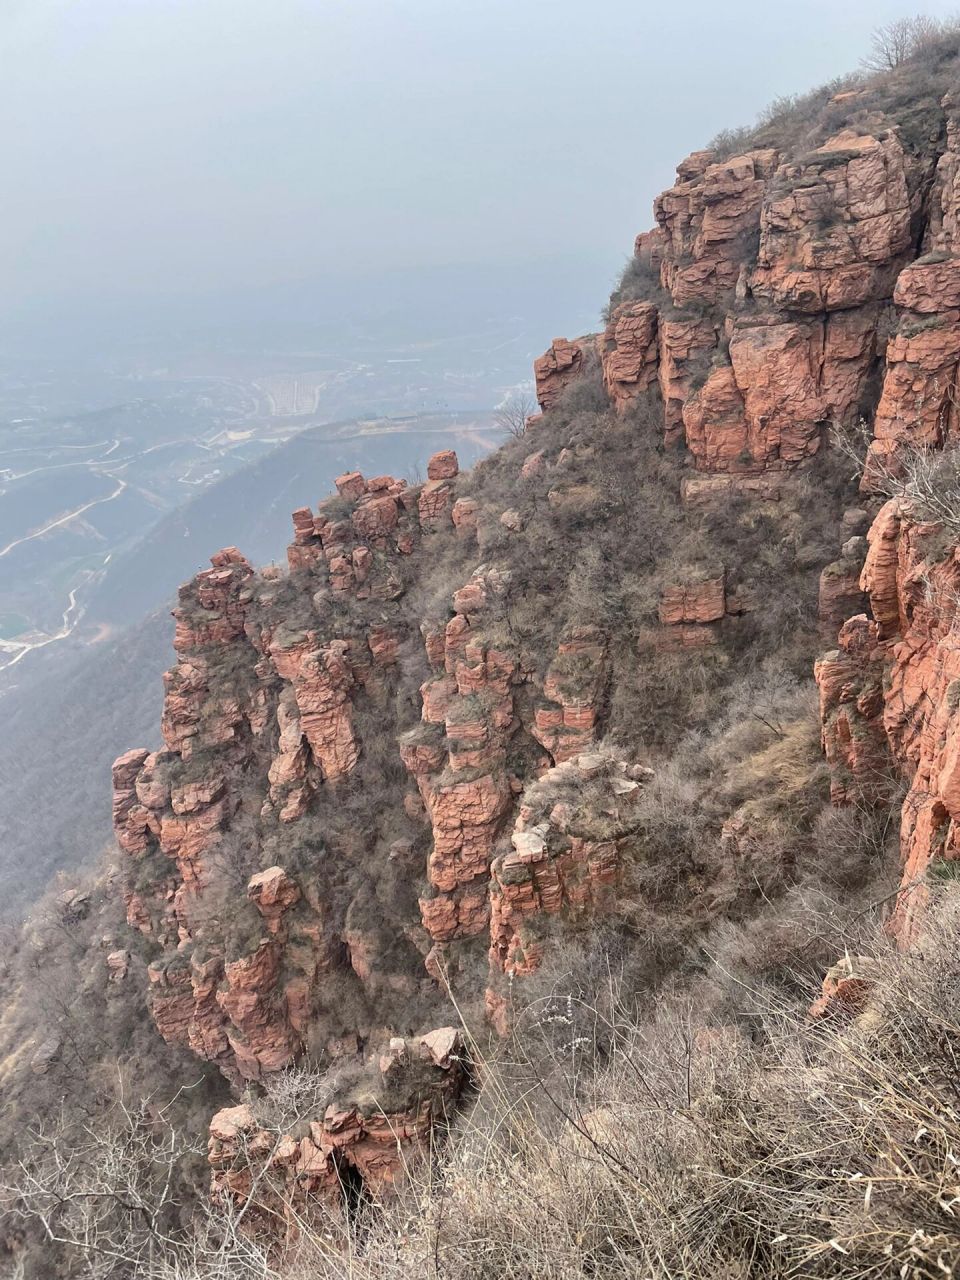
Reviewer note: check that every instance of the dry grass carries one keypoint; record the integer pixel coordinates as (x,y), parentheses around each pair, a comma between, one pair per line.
(604,1146)
(606,1142)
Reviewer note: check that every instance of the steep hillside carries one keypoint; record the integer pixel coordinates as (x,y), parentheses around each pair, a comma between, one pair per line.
(68,714)
(531,756)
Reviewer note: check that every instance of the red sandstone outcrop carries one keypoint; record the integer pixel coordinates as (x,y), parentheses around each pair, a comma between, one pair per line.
(118,965)
(766,410)
(573,692)
(840,595)
(464,514)
(834,235)
(248,1014)
(943,227)
(279,1179)
(711,491)
(558,864)
(628,353)
(768,283)
(918,406)
(351,486)
(437,495)
(130,818)
(562,364)
(688,611)
(889,695)
(458,759)
(687,344)
(700,601)
(835,230)
(258,1031)
(322,679)
(378,521)
(775,270)
(273,893)
(253,695)
(443,465)
(846,989)
(707,220)
(290,789)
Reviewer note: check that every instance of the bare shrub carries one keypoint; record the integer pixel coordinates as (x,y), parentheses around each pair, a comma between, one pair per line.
(109,1198)
(607,1142)
(109,1193)
(790,121)
(892,44)
(931,485)
(927,479)
(512,414)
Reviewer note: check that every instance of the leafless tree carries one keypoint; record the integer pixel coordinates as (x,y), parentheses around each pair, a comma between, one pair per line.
(931,485)
(110,1193)
(925,477)
(513,413)
(115,1196)
(893,43)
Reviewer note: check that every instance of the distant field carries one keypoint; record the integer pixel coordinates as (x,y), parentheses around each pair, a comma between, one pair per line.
(11,625)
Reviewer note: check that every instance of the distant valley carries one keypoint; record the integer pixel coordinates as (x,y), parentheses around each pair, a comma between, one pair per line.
(81,489)
(126,458)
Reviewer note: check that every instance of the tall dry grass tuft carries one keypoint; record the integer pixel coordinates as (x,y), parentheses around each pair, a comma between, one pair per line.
(603,1145)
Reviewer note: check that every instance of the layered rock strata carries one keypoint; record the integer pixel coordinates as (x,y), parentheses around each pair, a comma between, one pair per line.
(762,300)
(308,891)
(281,1180)
(558,862)
(890,696)
(258,722)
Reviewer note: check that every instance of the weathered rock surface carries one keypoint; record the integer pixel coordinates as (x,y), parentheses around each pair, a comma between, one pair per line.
(846,988)
(707,221)
(840,595)
(560,365)
(702,601)
(773,274)
(322,680)
(559,864)
(918,406)
(835,228)
(373,780)
(628,353)
(890,696)
(565,721)
(459,763)
(284,1179)
(258,721)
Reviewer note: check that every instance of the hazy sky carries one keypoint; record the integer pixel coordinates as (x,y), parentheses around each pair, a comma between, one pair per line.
(155,147)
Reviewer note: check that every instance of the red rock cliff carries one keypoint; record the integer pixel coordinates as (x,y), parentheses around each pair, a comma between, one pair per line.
(890,696)
(371,789)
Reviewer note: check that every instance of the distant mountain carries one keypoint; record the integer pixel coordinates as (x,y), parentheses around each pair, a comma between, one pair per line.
(251,509)
(61,730)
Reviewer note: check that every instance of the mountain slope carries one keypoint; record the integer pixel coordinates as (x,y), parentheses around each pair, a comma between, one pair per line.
(520,772)
(69,714)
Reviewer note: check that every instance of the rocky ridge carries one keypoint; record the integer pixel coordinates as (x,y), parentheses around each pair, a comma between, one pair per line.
(780,295)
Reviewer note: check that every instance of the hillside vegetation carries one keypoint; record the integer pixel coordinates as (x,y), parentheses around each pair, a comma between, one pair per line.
(551,872)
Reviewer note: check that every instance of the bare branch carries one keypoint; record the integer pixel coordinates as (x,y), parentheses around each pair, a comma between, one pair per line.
(513,413)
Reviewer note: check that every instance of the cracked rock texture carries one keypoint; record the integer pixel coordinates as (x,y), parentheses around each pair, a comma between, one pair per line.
(387,771)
